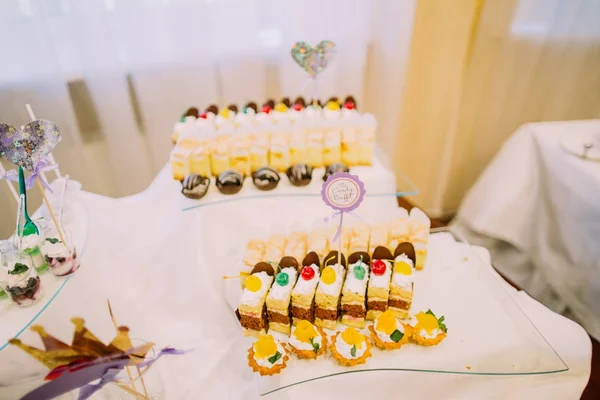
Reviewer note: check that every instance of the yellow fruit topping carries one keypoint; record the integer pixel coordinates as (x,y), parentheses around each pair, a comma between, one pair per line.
(305,331)
(386,322)
(353,338)
(333,106)
(265,347)
(402,267)
(224,113)
(253,283)
(281,107)
(427,322)
(328,275)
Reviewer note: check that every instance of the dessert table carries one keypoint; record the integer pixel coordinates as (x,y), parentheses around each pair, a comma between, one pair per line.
(147,256)
(536,207)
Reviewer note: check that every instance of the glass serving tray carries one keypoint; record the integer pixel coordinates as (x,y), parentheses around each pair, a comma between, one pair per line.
(488,333)
(380,182)
(15,319)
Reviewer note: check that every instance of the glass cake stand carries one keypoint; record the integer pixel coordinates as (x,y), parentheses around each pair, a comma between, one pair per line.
(488,332)
(380,183)
(15,319)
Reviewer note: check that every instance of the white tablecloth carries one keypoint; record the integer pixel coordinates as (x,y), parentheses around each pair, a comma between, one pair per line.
(145,255)
(537,208)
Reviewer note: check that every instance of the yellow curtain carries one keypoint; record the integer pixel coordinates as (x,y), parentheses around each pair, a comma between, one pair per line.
(478,70)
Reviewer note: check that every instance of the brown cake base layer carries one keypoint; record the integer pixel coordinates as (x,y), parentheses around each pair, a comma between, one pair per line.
(252,321)
(274,316)
(398,303)
(354,310)
(377,305)
(324,313)
(303,313)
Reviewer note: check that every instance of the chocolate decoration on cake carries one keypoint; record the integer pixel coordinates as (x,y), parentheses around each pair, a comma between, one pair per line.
(332,258)
(195,186)
(299,174)
(286,102)
(288,261)
(311,258)
(230,182)
(233,107)
(334,169)
(407,249)
(300,100)
(333,99)
(382,253)
(263,267)
(270,103)
(213,108)
(237,314)
(192,112)
(312,103)
(350,99)
(251,105)
(357,256)
(266,178)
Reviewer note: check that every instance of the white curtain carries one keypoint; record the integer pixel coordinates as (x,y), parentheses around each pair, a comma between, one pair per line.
(117,74)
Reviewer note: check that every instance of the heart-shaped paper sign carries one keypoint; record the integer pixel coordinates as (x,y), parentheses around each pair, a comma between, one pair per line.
(28,146)
(314,60)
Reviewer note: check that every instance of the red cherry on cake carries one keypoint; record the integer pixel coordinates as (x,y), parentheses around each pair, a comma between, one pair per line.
(307,273)
(266,109)
(203,115)
(297,107)
(378,267)
(349,105)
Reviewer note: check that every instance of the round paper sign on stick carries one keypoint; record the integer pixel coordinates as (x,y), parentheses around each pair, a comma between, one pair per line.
(343,192)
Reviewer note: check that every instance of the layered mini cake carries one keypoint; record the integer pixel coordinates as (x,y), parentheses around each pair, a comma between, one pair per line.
(327,298)
(280,295)
(401,288)
(318,241)
(275,248)
(378,291)
(303,294)
(354,292)
(252,311)
(420,225)
(296,245)
(255,249)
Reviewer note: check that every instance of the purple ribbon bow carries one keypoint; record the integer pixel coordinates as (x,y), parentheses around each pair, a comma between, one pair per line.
(10,175)
(41,166)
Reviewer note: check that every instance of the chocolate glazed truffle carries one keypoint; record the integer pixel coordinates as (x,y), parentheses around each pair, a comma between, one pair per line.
(230,182)
(195,186)
(266,178)
(299,174)
(334,169)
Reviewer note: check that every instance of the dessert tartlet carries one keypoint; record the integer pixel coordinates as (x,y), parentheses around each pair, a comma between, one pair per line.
(307,341)
(267,356)
(350,347)
(428,330)
(388,333)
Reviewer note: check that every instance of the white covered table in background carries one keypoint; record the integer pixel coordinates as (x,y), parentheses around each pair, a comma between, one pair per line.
(537,209)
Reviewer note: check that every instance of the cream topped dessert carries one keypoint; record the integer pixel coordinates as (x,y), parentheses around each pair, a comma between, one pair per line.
(21,281)
(63,260)
(306,340)
(387,332)
(378,291)
(328,293)
(303,294)
(354,291)
(267,356)
(278,300)
(350,347)
(31,245)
